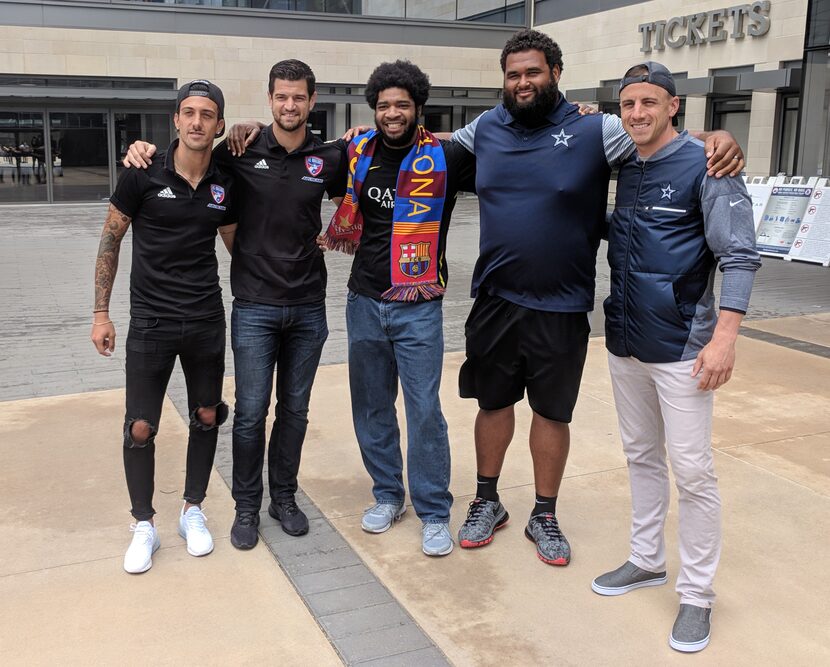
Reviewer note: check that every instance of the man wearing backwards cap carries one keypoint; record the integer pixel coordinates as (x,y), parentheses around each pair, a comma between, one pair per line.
(278,279)
(175,208)
(668,349)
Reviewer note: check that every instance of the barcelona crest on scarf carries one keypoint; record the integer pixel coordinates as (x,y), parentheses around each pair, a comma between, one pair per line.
(416,219)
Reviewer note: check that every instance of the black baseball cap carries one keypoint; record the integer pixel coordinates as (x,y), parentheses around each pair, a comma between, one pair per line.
(656,73)
(202,88)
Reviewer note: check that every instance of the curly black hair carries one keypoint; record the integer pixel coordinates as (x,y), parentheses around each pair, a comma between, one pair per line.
(399,74)
(291,70)
(533,40)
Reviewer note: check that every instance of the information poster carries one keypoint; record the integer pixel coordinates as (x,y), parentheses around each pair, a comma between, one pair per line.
(782,219)
(759,191)
(812,241)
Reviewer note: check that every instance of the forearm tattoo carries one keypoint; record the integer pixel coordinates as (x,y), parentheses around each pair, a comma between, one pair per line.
(107,262)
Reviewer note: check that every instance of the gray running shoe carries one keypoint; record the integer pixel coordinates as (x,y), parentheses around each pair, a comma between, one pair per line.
(483,518)
(551,545)
(691,629)
(436,539)
(626,578)
(379,517)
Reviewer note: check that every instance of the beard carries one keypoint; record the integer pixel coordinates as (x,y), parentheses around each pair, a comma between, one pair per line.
(290,125)
(535,112)
(403,140)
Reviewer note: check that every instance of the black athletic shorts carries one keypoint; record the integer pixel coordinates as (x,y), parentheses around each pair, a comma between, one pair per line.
(510,348)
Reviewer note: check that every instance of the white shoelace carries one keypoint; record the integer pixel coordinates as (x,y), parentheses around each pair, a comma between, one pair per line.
(195,520)
(144,532)
(433,530)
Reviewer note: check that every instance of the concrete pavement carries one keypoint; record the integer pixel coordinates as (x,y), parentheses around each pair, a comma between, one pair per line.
(341,595)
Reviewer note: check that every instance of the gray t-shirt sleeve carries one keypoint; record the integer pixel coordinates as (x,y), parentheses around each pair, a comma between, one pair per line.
(730,234)
(466,136)
(617,143)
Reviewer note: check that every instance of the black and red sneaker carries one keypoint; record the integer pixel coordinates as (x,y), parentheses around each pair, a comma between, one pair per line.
(483,518)
(551,545)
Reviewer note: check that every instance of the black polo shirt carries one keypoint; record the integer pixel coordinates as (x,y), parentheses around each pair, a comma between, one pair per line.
(174,269)
(276,259)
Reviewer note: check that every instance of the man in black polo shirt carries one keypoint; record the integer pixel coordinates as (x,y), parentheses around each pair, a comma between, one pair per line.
(175,208)
(278,278)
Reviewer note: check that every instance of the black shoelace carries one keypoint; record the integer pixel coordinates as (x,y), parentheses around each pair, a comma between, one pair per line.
(246,518)
(549,524)
(474,514)
(290,508)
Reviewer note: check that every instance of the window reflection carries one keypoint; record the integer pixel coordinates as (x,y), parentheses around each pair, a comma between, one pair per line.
(22,157)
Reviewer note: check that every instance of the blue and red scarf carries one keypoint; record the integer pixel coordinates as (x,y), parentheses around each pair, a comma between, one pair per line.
(416,219)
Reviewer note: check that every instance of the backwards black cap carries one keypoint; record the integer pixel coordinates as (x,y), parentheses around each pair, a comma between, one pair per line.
(202,88)
(656,73)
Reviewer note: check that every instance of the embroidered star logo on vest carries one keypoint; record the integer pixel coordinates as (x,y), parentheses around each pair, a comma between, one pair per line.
(667,192)
(561,138)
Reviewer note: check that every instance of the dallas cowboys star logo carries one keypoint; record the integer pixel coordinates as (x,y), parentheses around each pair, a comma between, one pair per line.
(561,138)
(667,192)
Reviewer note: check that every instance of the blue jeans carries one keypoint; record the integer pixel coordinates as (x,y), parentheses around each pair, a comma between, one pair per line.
(388,341)
(262,337)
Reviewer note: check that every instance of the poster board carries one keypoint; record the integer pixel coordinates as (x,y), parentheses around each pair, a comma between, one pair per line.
(783,216)
(812,240)
(759,189)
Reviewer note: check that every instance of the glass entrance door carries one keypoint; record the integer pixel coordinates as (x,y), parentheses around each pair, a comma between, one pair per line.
(131,126)
(22,157)
(80,160)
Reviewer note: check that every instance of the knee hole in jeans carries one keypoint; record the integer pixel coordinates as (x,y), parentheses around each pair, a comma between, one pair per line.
(138,433)
(210,417)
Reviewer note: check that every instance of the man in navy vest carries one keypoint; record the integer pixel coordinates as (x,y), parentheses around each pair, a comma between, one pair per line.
(668,349)
(542,181)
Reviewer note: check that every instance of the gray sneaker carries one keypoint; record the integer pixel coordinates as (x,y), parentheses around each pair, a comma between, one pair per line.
(483,519)
(551,545)
(379,517)
(436,539)
(691,629)
(626,578)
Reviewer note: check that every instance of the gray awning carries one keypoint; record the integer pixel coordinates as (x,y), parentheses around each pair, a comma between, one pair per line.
(772,81)
(96,94)
(707,86)
(600,94)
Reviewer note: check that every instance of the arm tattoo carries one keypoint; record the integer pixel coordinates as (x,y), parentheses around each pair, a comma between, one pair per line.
(107,262)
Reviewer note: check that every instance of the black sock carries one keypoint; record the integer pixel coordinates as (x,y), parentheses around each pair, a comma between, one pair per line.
(487,487)
(543,505)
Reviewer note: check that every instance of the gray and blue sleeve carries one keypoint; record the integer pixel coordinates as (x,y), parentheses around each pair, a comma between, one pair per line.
(466,136)
(730,234)
(618,145)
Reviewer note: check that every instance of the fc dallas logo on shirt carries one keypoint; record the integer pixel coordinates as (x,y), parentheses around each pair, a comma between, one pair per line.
(218,193)
(314,165)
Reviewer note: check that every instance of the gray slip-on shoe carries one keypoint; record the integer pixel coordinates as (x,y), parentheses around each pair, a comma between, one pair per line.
(691,629)
(626,578)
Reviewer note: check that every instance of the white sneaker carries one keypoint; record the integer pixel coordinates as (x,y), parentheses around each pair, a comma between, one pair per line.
(193,529)
(139,556)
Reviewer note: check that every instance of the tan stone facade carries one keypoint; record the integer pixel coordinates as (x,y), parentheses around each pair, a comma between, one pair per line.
(239,65)
(600,47)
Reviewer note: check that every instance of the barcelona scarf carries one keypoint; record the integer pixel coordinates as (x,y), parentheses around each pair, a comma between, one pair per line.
(416,219)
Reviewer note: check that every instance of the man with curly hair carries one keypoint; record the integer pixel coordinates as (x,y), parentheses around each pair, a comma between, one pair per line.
(401,193)
(543,172)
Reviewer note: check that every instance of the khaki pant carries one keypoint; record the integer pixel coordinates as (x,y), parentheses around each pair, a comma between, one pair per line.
(660,409)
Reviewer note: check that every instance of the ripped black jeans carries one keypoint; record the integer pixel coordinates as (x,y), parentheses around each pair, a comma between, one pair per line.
(152,348)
